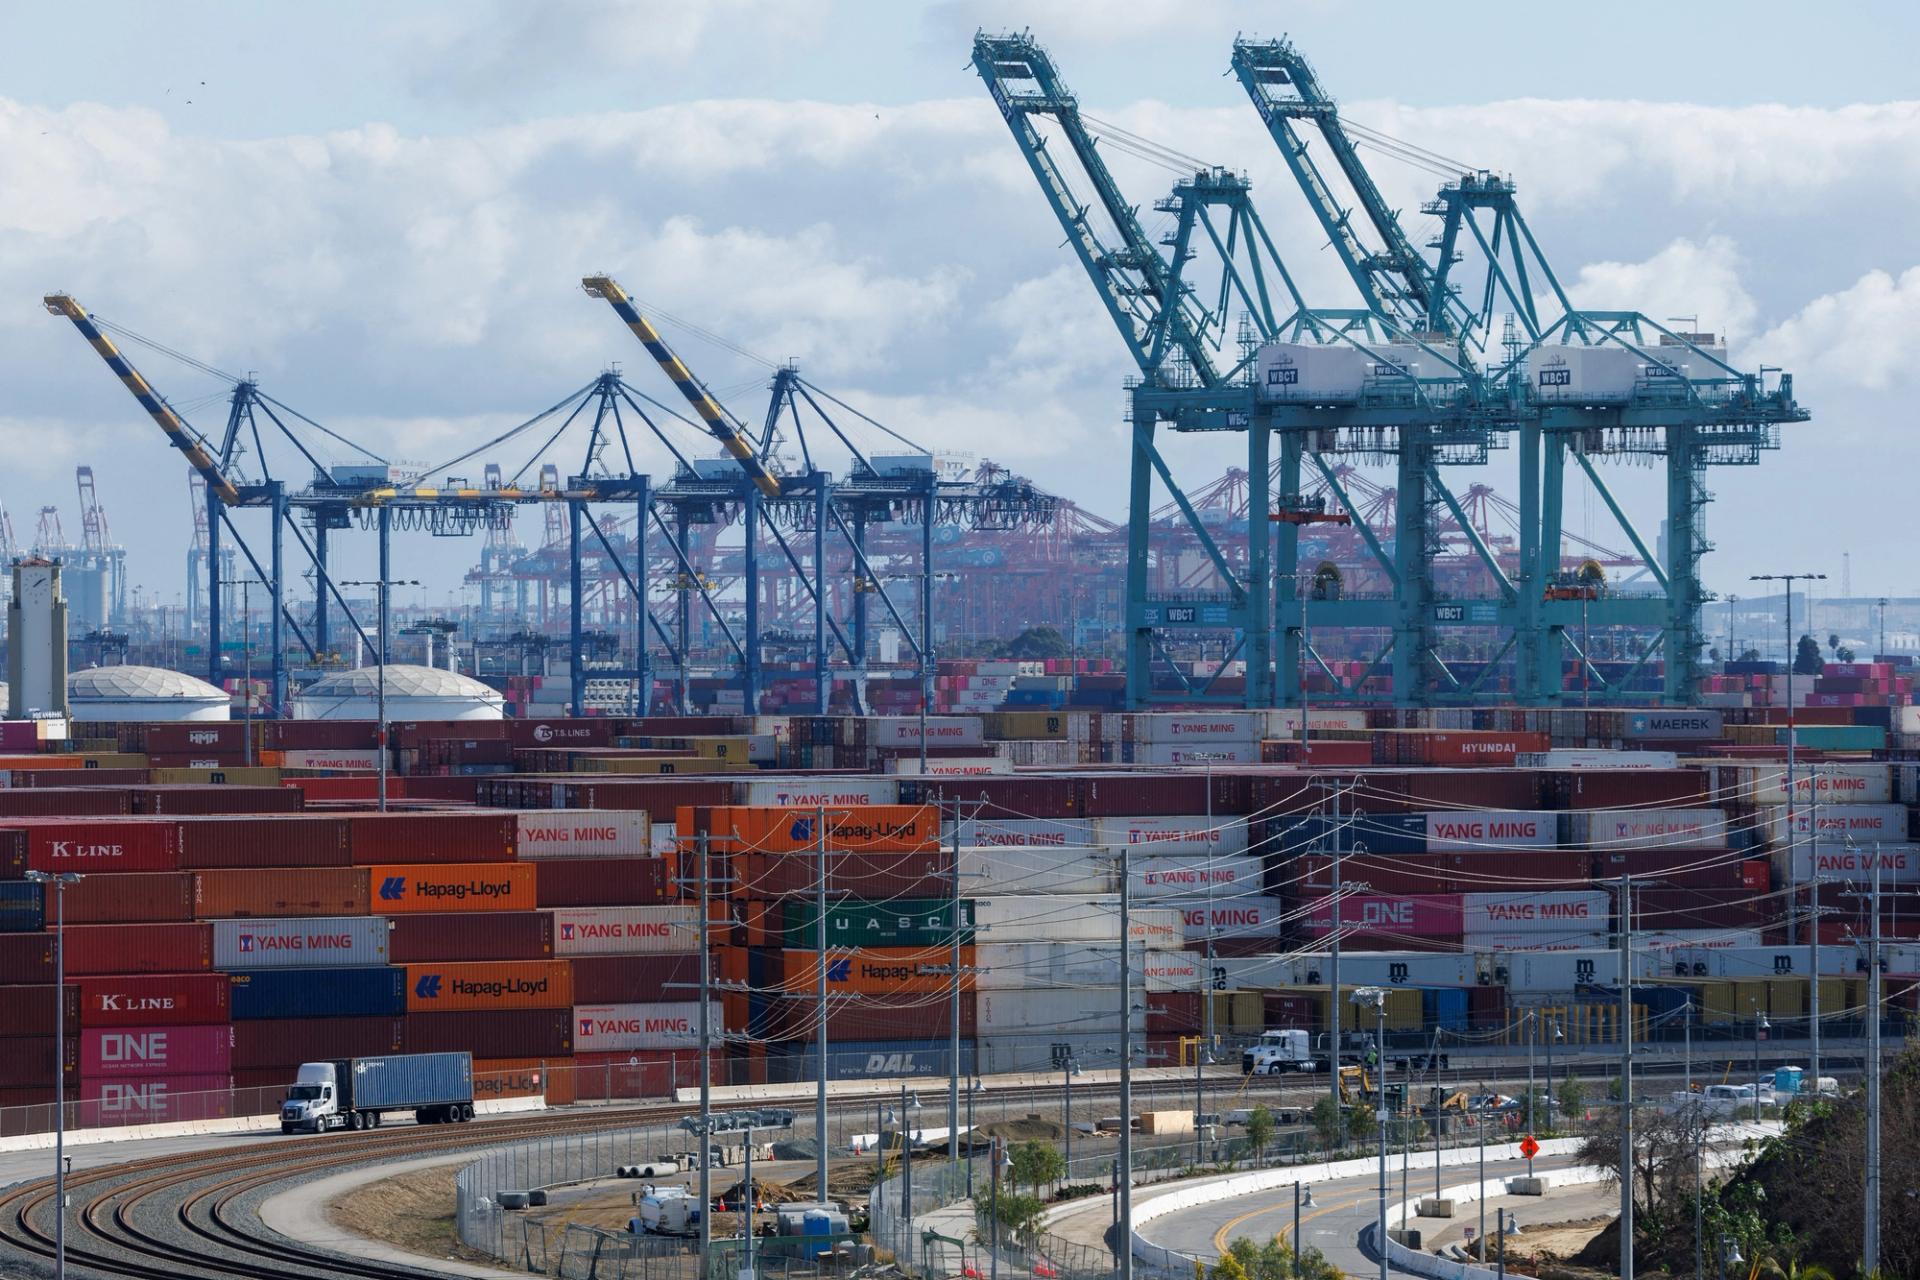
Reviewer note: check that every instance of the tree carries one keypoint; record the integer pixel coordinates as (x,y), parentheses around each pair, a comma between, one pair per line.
(1260,1130)
(1806,657)
(1327,1122)
(1019,1215)
(1749,655)
(1360,1120)
(1036,1163)
(1273,1260)
(1843,654)
(1573,1100)
(1665,1146)
(1038,642)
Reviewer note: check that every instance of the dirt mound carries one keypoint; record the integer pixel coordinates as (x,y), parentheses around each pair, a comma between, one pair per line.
(411,1211)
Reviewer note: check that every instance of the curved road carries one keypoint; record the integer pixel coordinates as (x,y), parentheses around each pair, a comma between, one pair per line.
(1345,1207)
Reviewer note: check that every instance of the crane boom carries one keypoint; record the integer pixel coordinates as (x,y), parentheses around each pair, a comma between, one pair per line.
(714,418)
(182,436)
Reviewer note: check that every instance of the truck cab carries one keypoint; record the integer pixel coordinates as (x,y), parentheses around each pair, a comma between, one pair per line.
(313,1100)
(1279,1052)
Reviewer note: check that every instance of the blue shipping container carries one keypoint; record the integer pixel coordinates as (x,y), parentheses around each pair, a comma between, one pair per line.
(1445,1008)
(412,1080)
(23,907)
(791,1063)
(1378,832)
(372,992)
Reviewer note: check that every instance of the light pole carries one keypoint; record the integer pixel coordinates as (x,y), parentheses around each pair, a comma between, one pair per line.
(1300,1203)
(1729,1255)
(1760,1025)
(1068,1072)
(1883,628)
(59,880)
(1377,998)
(383,586)
(974,1086)
(1202,1056)
(246,662)
(1553,1033)
(1793,884)
(909,1103)
(1306,648)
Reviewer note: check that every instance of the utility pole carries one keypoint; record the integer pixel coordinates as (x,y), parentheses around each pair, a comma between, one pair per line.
(1125,1173)
(1788,579)
(382,584)
(953,962)
(820,958)
(1813,936)
(1870,1245)
(706,1066)
(1626,1083)
(246,650)
(59,880)
(1334,1019)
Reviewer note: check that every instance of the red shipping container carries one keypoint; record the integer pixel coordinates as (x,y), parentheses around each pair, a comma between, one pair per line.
(1142,794)
(504,1033)
(135,897)
(882,1017)
(154,1000)
(110,1102)
(588,731)
(26,958)
(408,734)
(604,882)
(417,838)
(636,979)
(652,1073)
(13,852)
(1662,909)
(1691,868)
(872,876)
(32,1011)
(285,1043)
(466,936)
(1626,789)
(156,1051)
(1286,1010)
(63,779)
(459,790)
(29,1062)
(94,845)
(157,948)
(210,798)
(318,735)
(1173,1012)
(194,737)
(216,842)
(37,802)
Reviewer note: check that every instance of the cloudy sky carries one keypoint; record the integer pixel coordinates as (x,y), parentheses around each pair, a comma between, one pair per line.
(384,211)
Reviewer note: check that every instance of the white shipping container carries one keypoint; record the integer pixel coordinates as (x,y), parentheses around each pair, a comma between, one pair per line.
(338,760)
(1452,831)
(1195,726)
(1832,824)
(1040,918)
(1230,878)
(664,839)
(1254,973)
(1382,969)
(1757,962)
(1571,758)
(1158,929)
(1061,1012)
(1534,911)
(1243,917)
(1693,940)
(942,731)
(1030,1051)
(951,766)
(583,833)
(1642,828)
(817,791)
(1196,754)
(1019,966)
(1492,940)
(621,1028)
(1173,834)
(995,870)
(308,943)
(1554,972)
(1825,783)
(1284,722)
(1170,970)
(1058,833)
(1899,863)
(602,931)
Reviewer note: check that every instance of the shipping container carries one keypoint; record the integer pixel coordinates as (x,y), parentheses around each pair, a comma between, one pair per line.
(380,840)
(618,930)
(1553,971)
(495,935)
(1834,824)
(22,907)
(602,1028)
(992,870)
(1899,864)
(602,882)
(799,792)
(497,1079)
(282,1044)
(636,979)
(151,1000)
(491,984)
(156,1051)
(397,889)
(1533,911)
(300,943)
(288,891)
(792,1062)
(113,1101)
(1433,915)
(1846,784)
(1071,834)
(1508,829)
(1609,829)
(1061,1011)
(91,846)
(1227,877)
(902,828)
(869,875)
(31,1061)
(532,1033)
(32,1011)
(375,991)
(876,971)
(567,833)
(1049,919)
(134,897)
(904,922)
(154,948)
(304,841)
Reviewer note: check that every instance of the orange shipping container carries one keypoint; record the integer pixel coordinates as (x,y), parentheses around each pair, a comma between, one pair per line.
(490,984)
(876,971)
(302,891)
(454,886)
(495,1078)
(880,828)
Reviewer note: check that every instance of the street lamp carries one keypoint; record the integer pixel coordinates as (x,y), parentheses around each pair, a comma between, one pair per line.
(246,651)
(1788,579)
(1202,1059)
(383,586)
(1760,1026)
(1553,1033)
(1376,997)
(1300,1202)
(59,880)
(974,1087)
(1729,1255)
(909,1103)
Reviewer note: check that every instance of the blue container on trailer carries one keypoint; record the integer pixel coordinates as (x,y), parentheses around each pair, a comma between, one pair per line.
(1445,1008)
(23,907)
(412,1079)
(374,991)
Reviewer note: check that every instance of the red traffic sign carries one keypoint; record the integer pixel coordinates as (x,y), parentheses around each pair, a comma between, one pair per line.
(1528,1147)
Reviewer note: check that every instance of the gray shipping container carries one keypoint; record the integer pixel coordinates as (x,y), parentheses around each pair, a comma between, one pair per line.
(409,1080)
(309,943)
(1679,723)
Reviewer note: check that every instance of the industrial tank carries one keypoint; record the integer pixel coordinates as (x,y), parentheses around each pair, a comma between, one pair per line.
(413,693)
(143,693)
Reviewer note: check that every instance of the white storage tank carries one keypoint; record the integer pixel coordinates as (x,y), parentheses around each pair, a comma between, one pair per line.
(413,693)
(143,693)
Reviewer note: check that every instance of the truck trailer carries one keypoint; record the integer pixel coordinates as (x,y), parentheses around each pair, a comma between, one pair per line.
(357,1093)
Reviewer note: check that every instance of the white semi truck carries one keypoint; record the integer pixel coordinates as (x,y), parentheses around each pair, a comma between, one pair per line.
(357,1093)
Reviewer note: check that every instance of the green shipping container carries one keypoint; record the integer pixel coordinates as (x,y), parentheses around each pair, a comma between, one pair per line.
(906,922)
(1835,737)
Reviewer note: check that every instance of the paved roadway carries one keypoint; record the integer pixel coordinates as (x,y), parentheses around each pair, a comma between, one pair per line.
(1345,1207)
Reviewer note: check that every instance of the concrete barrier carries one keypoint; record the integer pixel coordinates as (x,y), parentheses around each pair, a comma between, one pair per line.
(207,1128)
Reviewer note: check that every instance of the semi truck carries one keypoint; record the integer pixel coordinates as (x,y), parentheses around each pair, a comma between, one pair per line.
(358,1093)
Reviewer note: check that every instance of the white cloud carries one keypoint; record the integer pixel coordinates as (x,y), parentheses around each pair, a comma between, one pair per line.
(1863,336)
(1683,279)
